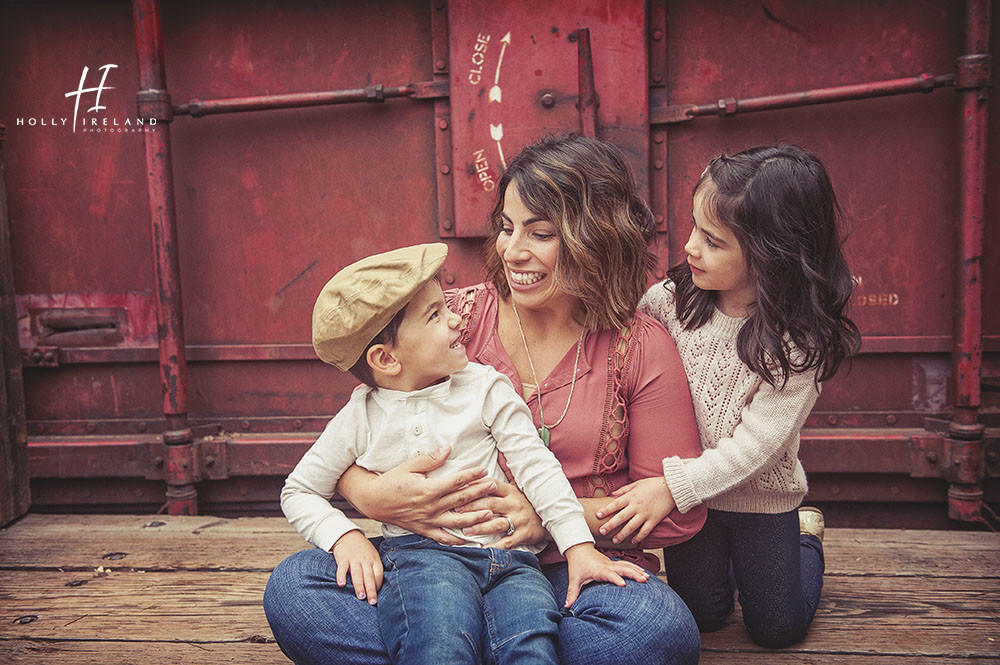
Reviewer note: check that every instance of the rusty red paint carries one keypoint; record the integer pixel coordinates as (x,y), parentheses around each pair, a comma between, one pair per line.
(587,98)
(269,205)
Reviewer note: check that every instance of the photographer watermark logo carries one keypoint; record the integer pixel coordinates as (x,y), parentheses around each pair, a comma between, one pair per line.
(96,122)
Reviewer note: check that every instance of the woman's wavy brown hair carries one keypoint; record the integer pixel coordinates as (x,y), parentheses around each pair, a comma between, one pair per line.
(585,187)
(779,203)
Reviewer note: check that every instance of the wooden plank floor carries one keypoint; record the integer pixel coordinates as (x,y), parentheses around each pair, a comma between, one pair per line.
(163,590)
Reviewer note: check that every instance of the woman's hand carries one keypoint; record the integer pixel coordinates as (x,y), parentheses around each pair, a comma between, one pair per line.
(639,506)
(506,502)
(405,497)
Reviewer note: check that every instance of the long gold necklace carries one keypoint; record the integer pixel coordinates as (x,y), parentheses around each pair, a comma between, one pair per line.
(543,431)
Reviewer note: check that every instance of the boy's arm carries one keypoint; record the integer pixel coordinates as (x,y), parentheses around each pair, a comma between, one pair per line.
(535,469)
(305,498)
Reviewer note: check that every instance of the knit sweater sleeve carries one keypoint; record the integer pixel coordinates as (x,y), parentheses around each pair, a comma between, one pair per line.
(769,425)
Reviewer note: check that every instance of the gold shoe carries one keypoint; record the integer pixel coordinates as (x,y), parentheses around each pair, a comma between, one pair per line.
(811,522)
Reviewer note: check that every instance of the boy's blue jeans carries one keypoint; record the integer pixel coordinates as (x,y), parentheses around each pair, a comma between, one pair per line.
(779,574)
(442,604)
(316,622)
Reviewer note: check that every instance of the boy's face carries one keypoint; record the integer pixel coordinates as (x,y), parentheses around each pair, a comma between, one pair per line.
(427,345)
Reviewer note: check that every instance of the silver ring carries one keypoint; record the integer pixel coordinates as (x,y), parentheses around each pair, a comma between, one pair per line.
(510,526)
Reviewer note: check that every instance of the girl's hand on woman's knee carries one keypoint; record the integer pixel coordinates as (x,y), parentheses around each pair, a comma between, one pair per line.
(637,509)
(506,502)
(405,497)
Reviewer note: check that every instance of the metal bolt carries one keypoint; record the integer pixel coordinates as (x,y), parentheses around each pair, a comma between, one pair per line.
(890,419)
(835,489)
(658,76)
(447,224)
(931,457)
(449,278)
(659,219)
(658,164)
(894,489)
(50,356)
(957,463)
(36,356)
(548,100)
(831,420)
(245,424)
(658,138)
(657,34)
(157,461)
(445,169)
(142,427)
(297,424)
(440,64)
(442,124)
(91,427)
(209,461)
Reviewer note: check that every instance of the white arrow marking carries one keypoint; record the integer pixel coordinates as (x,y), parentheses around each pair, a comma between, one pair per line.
(495,94)
(496,133)
(505,40)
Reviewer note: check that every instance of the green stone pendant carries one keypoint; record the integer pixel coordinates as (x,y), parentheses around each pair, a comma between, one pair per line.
(543,432)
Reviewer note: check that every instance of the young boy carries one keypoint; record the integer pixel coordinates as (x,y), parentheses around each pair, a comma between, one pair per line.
(384,318)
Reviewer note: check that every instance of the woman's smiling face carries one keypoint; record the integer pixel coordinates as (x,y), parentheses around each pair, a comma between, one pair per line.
(528,247)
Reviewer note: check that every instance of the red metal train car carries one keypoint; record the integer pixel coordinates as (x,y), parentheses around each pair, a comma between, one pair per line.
(180,181)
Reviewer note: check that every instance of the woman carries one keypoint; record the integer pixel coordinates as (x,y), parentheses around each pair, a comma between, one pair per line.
(565,267)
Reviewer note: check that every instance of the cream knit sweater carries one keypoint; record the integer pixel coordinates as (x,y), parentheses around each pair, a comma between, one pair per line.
(749,430)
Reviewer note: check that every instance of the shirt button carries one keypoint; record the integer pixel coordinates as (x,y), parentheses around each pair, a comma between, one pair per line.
(417,430)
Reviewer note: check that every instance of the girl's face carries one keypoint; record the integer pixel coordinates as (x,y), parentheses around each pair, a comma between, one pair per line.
(528,246)
(716,259)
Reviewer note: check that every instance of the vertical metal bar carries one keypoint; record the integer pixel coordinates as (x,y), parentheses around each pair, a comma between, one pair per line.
(587,103)
(443,158)
(972,80)
(154,103)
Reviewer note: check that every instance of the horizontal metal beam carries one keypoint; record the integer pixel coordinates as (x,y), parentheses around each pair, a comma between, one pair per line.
(50,356)
(664,114)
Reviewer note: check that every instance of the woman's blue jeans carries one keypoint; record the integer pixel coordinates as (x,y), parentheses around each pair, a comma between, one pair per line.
(778,572)
(316,622)
(442,604)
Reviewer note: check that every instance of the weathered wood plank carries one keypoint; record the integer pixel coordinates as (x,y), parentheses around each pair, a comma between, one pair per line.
(81,541)
(140,653)
(932,617)
(161,542)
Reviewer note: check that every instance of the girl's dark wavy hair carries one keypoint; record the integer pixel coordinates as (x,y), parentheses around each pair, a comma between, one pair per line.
(779,203)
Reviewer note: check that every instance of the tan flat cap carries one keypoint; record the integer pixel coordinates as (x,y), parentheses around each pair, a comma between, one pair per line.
(360,300)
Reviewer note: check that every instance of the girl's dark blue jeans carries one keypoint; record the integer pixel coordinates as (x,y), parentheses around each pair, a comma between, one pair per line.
(778,572)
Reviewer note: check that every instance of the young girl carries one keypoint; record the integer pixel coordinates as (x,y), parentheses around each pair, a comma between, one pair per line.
(757,312)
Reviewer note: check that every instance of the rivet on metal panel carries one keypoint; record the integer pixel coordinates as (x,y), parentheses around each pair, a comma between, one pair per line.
(835,489)
(449,278)
(375,93)
(445,169)
(36,356)
(548,100)
(142,427)
(657,76)
(658,138)
(931,457)
(442,124)
(91,427)
(297,424)
(447,224)
(831,420)
(890,419)
(659,219)
(157,461)
(209,461)
(657,34)
(658,164)
(49,356)
(440,65)
(894,489)
(245,424)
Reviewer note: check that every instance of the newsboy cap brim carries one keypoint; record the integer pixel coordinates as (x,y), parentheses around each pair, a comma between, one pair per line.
(360,300)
